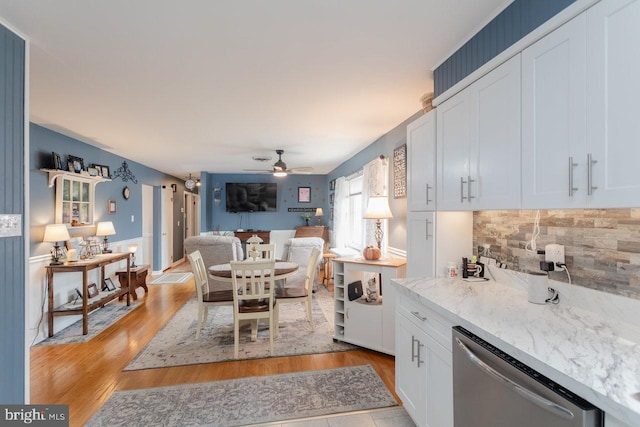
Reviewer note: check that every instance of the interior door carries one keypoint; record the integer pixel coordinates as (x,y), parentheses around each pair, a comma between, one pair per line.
(147,225)
(166,240)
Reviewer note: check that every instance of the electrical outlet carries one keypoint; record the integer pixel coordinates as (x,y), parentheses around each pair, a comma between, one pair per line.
(554,253)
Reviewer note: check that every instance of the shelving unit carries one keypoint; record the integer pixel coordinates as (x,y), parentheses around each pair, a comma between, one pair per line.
(339,297)
(369,325)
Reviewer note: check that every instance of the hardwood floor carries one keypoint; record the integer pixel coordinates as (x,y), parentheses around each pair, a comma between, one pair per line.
(85,375)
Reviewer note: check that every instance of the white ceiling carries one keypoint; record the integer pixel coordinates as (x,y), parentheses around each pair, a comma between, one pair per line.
(204,85)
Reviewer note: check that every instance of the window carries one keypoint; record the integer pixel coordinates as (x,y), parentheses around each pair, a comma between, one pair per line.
(74,200)
(355,212)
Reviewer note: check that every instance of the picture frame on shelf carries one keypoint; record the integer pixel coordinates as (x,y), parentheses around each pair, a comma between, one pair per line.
(332,185)
(108,284)
(77,163)
(106,173)
(304,194)
(56,160)
(112,207)
(92,290)
(92,171)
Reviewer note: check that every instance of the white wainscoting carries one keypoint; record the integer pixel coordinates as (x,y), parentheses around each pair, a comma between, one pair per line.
(64,291)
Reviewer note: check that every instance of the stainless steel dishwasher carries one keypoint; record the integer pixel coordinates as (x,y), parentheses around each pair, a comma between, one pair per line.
(492,389)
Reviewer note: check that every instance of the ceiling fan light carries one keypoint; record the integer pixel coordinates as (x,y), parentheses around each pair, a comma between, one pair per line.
(279,173)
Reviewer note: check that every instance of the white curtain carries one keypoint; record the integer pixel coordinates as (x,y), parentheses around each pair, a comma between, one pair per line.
(341,213)
(374,177)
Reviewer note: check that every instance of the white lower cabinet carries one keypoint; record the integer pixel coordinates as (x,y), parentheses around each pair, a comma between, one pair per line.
(424,377)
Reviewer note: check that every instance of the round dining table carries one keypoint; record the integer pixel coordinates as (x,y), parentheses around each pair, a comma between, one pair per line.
(284,269)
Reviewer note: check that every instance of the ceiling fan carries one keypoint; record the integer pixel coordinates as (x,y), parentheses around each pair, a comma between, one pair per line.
(280,168)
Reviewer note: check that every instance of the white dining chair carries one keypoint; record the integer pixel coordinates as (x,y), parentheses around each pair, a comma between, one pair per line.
(253,297)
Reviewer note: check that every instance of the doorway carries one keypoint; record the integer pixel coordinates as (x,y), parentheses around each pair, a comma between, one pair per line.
(147,225)
(191,214)
(166,229)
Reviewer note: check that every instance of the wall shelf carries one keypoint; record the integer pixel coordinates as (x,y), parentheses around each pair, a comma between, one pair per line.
(55,173)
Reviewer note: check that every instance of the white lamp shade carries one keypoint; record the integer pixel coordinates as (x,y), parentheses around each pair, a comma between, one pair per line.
(133,248)
(319,212)
(105,229)
(378,208)
(55,233)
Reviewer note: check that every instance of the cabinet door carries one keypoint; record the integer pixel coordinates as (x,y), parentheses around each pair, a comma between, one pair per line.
(494,116)
(554,119)
(453,146)
(363,324)
(410,378)
(613,126)
(421,163)
(421,244)
(439,395)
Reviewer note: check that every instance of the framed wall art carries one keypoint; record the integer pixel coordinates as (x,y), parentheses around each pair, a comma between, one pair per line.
(304,194)
(112,207)
(400,172)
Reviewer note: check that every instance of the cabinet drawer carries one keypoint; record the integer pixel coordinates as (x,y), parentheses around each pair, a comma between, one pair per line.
(426,320)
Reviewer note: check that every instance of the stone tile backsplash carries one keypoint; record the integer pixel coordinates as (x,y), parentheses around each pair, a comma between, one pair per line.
(602,246)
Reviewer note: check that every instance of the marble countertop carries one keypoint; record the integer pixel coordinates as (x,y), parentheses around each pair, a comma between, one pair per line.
(589,342)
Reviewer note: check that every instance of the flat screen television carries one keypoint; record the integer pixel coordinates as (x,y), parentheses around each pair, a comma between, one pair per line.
(252,197)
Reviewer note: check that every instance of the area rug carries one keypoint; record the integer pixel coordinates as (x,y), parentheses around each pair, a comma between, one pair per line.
(99,320)
(248,400)
(176,343)
(168,278)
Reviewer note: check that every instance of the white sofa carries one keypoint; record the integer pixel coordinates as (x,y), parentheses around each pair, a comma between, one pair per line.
(215,249)
(298,250)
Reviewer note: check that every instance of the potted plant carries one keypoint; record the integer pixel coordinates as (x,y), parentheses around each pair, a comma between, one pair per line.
(306,217)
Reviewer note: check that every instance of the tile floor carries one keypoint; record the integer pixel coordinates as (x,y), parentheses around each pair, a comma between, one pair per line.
(393,417)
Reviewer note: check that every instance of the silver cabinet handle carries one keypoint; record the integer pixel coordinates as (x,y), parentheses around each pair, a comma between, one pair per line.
(427,235)
(416,355)
(590,163)
(427,194)
(469,196)
(418,315)
(572,165)
(462,183)
(533,397)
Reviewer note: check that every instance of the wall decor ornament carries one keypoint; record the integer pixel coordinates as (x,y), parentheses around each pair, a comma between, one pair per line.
(125,173)
(400,172)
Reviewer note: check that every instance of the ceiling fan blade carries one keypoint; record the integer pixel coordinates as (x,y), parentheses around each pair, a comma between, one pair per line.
(258,170)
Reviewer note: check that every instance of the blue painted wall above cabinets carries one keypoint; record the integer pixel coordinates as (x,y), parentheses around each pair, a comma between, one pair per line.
(216,218)
(514,22)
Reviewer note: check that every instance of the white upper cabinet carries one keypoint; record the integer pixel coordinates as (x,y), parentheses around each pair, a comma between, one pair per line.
(580,123)
(554,118)
(613,123)
(478,143)
(421,163)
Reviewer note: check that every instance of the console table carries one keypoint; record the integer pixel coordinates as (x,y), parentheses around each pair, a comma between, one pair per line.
(88,304)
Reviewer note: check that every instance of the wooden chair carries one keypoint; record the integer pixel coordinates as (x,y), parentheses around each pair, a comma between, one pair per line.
(252,296)
(206,298)
(261,251)
(300,294)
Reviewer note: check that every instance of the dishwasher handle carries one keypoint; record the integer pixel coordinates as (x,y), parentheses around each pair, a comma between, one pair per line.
(522,391)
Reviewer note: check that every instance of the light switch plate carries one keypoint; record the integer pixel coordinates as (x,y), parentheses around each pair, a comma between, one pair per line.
(10,225)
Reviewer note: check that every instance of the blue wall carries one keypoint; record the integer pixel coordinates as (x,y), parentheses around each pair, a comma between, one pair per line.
(12,201)
(215,217)
(384,145)
(42,198)
(514,22)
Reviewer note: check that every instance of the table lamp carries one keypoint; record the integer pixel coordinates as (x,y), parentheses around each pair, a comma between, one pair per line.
(378,209)
(54,233)
(105,229)
(133,248)
(319,214)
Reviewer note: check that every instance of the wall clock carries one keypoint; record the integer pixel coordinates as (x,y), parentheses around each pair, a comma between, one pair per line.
(126,193)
